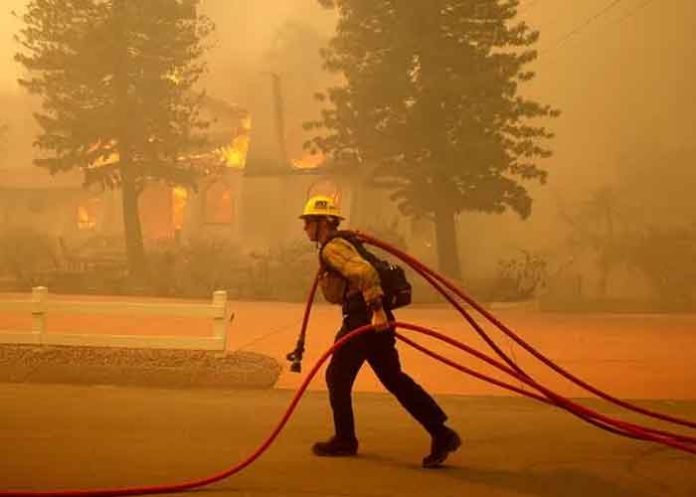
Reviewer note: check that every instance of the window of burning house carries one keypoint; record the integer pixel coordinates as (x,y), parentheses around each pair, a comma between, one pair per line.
(88,213)
(179,200)
(218,206)
(156,208)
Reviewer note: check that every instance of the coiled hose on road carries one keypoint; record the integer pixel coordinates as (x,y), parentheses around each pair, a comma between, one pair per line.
(677,441)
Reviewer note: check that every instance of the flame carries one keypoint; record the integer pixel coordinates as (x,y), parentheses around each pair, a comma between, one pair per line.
(309,161)
(174,76)
(105,160)
(87,214)
(179,200)
(235,154)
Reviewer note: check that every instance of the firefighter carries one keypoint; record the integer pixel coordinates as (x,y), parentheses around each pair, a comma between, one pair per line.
(349,280)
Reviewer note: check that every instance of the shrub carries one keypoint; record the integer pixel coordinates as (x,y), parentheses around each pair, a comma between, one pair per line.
(292,268)
(518,278)
(667,258)
(26,255)
(197,268)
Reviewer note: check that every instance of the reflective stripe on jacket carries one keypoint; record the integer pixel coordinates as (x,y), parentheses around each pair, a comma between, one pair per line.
(344,265)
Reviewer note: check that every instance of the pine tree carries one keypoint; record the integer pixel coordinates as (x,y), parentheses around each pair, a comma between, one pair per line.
(117,82)
(430,107)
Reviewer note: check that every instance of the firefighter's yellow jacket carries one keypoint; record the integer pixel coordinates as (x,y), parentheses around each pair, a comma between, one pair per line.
(346,272)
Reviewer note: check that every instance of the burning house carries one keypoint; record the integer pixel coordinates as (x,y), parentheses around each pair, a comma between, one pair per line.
(254,201)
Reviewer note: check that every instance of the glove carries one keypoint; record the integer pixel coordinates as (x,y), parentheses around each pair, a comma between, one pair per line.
(380,321)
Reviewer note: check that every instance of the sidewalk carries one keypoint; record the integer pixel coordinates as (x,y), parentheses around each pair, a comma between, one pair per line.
(66,437)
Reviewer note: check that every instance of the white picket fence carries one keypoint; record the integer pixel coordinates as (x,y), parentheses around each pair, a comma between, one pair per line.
(40,305)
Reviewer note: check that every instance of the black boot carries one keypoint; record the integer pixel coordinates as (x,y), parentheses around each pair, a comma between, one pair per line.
(445,441)
(336,447)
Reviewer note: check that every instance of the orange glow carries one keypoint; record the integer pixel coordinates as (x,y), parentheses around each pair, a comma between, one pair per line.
(219,204)
(102,161)
(174,76)
(87,214)
(179,200)
(156,213)
(235,154)
(309,161)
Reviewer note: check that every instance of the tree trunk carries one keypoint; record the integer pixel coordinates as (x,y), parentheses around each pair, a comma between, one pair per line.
(446,238)
(132,229)
(124,105)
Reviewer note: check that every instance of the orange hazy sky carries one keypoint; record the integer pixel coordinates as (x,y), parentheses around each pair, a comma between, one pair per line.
(622,80)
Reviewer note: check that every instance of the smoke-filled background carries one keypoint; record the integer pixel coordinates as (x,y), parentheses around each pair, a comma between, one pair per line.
(622,81)
(621,73)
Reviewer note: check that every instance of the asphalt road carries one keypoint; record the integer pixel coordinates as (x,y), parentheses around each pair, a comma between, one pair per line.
(60,437)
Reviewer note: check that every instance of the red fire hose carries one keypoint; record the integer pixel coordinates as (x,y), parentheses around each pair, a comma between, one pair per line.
(439,281)
(677,441)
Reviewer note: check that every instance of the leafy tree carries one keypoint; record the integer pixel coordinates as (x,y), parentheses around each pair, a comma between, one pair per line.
(430,106)
(621,225)
(666,256)
(601,225)
(117,82)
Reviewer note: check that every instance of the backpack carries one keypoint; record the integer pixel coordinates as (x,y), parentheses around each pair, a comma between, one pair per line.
(396,288)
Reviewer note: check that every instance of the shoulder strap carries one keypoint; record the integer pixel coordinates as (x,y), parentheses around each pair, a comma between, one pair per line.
(353,239)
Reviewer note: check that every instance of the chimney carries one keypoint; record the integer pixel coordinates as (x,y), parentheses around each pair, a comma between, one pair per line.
(267,152)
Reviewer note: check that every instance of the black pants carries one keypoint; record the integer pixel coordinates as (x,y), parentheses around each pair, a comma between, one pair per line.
(379,350)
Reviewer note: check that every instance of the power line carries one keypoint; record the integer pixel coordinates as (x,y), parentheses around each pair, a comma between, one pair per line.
(630,13)
(633,12)
(582,26)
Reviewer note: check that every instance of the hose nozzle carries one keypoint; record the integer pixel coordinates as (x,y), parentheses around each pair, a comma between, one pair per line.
(296,367)
(295,358)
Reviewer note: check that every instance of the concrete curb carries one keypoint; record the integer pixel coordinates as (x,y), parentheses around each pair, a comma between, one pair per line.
(136,367)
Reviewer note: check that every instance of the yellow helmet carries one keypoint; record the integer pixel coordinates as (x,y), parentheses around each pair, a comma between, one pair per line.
(321,205)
